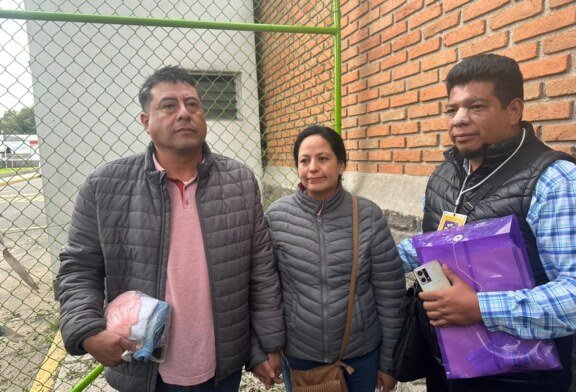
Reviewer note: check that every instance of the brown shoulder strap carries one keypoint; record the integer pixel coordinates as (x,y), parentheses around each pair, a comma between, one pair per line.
(353,277)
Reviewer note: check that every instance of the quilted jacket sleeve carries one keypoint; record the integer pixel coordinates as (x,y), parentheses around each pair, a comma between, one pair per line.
(266,310)
(81,275)
(388,283)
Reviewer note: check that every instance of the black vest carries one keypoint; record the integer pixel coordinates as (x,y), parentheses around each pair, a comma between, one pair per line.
(512,196)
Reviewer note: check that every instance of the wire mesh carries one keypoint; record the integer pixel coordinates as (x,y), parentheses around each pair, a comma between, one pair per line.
(80,83)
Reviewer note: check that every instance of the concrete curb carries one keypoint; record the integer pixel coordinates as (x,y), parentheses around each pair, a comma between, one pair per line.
(19,178)
(48,372)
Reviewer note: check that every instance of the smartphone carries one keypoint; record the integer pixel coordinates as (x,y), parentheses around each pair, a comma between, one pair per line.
(431,277)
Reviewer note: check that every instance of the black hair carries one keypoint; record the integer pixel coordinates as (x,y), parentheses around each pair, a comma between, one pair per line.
(502,71)
(169,74)
(331,136)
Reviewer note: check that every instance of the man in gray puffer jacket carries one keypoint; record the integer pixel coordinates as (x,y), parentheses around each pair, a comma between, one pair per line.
(180,224)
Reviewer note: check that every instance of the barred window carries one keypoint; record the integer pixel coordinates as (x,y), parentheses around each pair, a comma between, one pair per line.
(218,92)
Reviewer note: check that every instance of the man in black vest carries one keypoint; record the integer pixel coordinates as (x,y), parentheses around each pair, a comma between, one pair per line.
(498,167)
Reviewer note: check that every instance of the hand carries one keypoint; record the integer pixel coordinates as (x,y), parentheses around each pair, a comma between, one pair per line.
(107,347)
(456,305)
(269,372)
(385,382)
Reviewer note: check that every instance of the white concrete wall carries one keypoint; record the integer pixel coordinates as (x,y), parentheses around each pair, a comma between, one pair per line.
(86,79)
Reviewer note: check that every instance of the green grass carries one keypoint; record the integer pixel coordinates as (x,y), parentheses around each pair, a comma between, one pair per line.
(17,170)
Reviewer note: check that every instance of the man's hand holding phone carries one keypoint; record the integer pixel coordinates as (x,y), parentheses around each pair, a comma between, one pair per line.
(446,304)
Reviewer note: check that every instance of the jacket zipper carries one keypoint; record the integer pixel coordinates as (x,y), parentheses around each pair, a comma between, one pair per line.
(323,283)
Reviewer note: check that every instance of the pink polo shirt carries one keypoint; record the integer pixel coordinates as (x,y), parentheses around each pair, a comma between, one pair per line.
(191,353)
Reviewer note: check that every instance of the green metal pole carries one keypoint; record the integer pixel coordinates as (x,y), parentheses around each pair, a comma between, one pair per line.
(88,379)
(195,24)
(337,69)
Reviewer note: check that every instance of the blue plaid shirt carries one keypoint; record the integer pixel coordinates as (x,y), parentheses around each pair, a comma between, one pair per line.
(549,310)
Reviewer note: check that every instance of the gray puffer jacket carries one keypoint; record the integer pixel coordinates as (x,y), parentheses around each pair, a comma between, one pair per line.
(118,241)
(313,246)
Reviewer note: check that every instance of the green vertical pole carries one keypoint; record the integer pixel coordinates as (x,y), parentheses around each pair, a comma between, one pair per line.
(337,70)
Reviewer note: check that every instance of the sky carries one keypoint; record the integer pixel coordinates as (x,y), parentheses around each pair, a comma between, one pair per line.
(15,77)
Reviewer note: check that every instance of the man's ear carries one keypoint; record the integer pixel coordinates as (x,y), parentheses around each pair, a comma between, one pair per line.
(515,110)
(144,120)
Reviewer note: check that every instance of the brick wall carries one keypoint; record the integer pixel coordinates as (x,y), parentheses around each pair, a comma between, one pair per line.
(296,74)
(396,54)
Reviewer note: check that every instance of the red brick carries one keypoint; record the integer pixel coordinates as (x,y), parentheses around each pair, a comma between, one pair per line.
(394,31)
(424,110)
(391,168)
(523,10)
(428,46)
(559,42)
(357,86)
(358,36)
(548,66)
(380,156)
(368,168)
(379,52)
(408,69)
(368,119)
(393,88)
(389,5)
(434,92)
(408,9)
(351,145)
(351,167)
(350,77)
(379,79)
(407,155)
(486,44)
(349,30)
(393,115)
(481,7)
(548,111)
(559,3)
(393,60)
(449,5)
(368,95)
(378,105)
(356,110)
(446,56)
(465,33)
(560,132)
(404,99)
(419,170)
(358,155)
(382,23)
(368,18)
(569,149)
(378,130)
(349,100)
(369,43)
(368,144)
(445,140)
(360,9)
(434,124)
(422,80)
(356,62)
(532,91)
(369,69)
(546,24)
(522,52)
(433,155)
(426,15)
(349,53)
(358,133)
(349,122)
(426,140)
(563,86)
(444,23)
(393,142)
(406,40)
(404,128)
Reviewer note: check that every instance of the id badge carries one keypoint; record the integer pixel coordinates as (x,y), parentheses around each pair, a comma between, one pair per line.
(450,220)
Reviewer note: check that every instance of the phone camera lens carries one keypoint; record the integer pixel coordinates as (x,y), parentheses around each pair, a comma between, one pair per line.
(423,280)
(419,273)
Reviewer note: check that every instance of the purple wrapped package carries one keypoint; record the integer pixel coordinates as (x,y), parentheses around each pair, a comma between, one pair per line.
(489,255)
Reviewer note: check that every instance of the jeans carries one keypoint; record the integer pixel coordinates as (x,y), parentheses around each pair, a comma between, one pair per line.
(229,384)
(362,380)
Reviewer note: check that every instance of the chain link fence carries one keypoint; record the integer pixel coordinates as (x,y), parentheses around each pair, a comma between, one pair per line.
(77,67)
